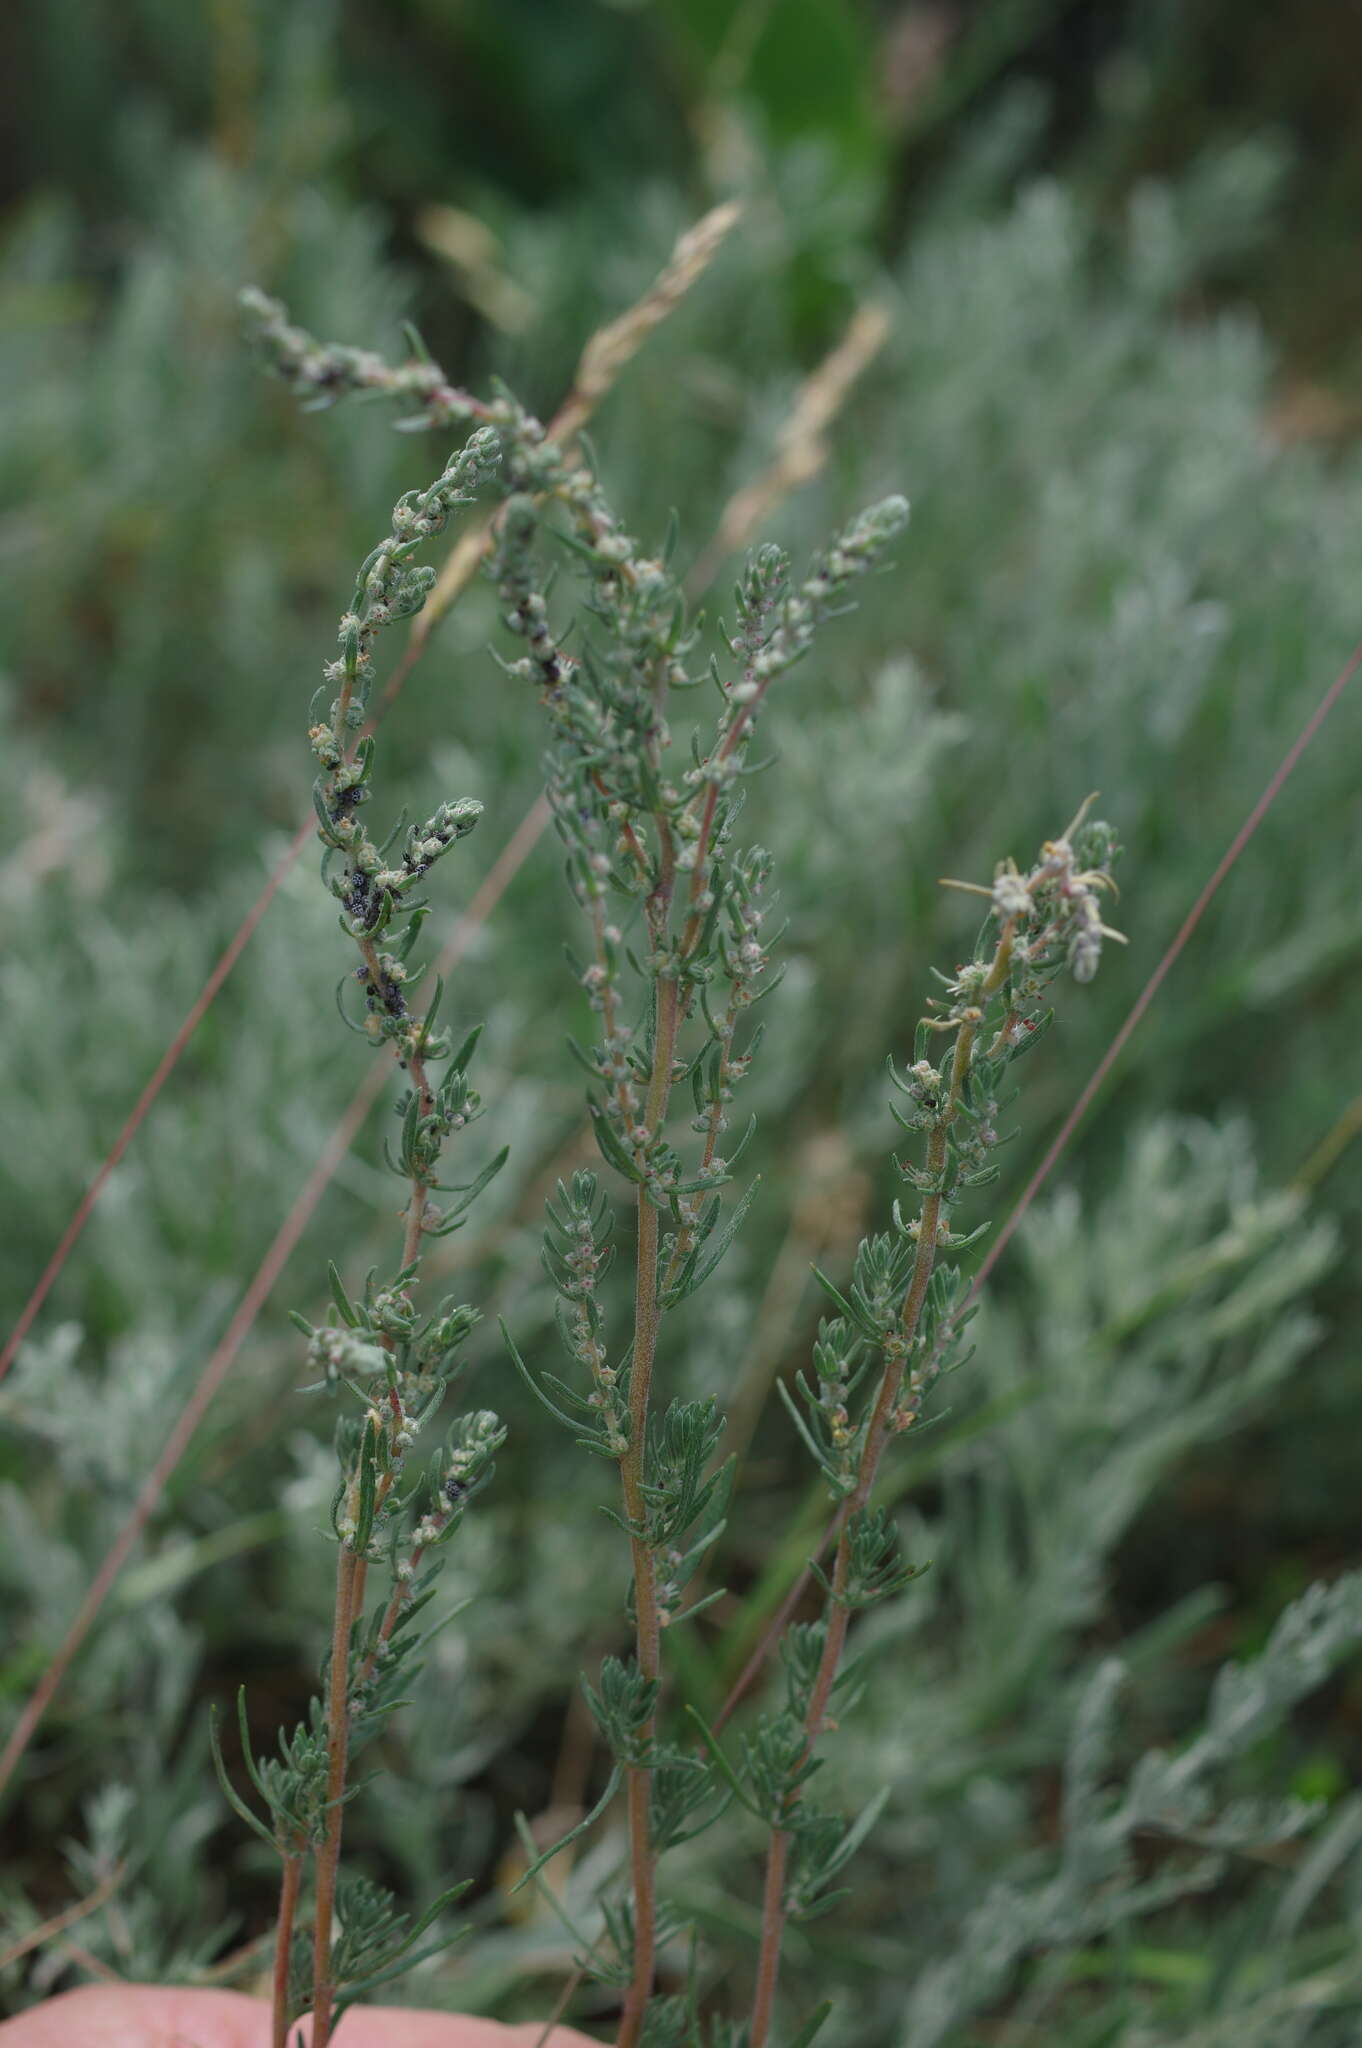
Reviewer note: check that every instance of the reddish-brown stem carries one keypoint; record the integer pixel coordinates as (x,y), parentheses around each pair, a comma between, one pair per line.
(641,1861)
(339,730)
(401,1593)
(772,1916)
(622,1087)
(283,1946)
(349,1580)
(716,1108)
(699,873)
(837,1609)
(732,739)
(350,1576)
(647,1317)
(53,1929)
(416,1207)
(685,1235)
(627,832)
(165,1066)
(93,1966)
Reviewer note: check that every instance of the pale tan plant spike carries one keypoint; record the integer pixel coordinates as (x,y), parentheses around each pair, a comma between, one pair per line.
(614,345)
(607,352)
(801,449)
(52,1929)
(473,253)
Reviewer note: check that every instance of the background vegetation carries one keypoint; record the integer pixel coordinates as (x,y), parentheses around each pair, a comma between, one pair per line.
(1120,386)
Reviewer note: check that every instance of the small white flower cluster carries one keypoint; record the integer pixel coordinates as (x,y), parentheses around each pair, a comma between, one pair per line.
(1056,904)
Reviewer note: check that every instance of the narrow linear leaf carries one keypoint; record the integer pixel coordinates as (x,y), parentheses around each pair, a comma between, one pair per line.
(547,1855)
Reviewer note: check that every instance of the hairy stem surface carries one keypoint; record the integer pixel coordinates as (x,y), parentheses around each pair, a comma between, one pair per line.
(647,1320)
(877,1435)
(283,1945)
(349,1586)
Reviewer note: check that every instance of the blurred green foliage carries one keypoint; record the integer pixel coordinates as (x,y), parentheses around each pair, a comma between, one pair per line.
(1131,566)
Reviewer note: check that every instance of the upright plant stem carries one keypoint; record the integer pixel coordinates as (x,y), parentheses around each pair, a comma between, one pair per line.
(647,1318)
(351,1568)
(648,1633)
(349,1586)
(283,1945)
(877,1435)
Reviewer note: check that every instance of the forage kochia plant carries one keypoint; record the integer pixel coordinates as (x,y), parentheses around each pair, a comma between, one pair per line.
(395,1361)
(898,1328)
(674,957)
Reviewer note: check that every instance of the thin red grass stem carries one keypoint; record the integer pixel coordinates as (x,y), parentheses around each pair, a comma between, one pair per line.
(170,1058)
(1156,980)
(211,1378)
(1064,1135)
(165,1067)
(511,857)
